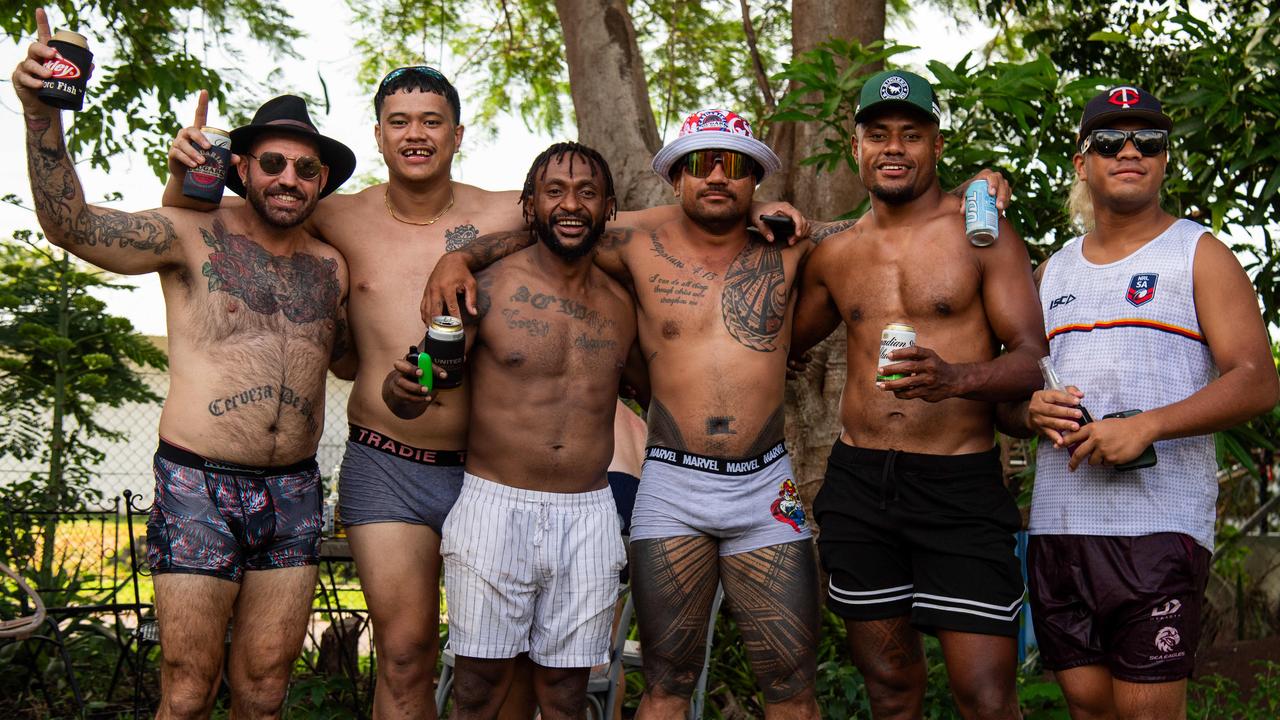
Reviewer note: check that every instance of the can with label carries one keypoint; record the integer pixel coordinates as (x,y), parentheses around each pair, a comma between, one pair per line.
(445,343)
(895,336)
(65,88)
(981,219)
(206,181)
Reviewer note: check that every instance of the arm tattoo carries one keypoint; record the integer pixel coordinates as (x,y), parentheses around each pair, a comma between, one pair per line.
(754,299)
(488,249)
(484,296)
(61,207)
(826,230)
(303,287)
(615,238)
(341,334)
(460,237)
(663,429)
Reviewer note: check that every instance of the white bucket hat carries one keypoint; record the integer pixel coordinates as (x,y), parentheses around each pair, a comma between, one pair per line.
(713,129)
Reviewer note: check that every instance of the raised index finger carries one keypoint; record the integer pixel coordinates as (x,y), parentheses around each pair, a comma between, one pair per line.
(42,26)
(202,109)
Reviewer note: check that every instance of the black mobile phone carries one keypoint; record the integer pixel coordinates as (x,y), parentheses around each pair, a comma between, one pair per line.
(1148,456)
(780,225)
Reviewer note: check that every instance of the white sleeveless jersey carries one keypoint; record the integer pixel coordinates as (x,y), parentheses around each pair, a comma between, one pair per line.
(1126,334)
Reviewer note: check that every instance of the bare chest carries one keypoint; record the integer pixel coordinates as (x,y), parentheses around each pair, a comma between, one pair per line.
(538,334)
(929,282)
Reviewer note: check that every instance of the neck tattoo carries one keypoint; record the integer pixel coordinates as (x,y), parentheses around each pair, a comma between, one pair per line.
(386,196)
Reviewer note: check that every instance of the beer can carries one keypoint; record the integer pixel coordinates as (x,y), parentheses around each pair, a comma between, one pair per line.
(65,89)
(445,343)
(981,219)
(895,336)
(206,181)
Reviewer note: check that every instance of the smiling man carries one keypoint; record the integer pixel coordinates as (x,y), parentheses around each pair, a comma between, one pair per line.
(917,526)
(1144,312)
(533,548)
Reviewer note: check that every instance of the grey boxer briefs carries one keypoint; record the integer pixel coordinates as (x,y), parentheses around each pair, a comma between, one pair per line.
(386,481)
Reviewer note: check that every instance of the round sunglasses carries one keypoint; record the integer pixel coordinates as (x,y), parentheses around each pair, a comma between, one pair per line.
(1109,143)
(273,163)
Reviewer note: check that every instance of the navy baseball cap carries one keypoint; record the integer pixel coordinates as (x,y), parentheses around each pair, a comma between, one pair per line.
(1122,102)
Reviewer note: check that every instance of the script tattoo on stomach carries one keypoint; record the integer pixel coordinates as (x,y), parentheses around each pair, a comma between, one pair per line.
(754,299)
(283,395)
(303,287)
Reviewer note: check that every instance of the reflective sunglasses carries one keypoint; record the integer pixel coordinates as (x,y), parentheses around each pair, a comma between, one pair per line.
(1109,143)
(273,163)
(736,165)
(426,70)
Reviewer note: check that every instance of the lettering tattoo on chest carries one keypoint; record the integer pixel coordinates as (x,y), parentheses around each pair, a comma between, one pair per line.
(696,270)
(459,237)
(303,287)
(674,291)
(565,306)
(533,326)
(282,395)
(754,299)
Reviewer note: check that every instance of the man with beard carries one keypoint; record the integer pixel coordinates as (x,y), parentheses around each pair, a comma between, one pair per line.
(254,303)
(532,549)
(714,324)
(917,526)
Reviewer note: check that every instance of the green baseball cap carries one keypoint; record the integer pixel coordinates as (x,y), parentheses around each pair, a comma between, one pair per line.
(898,88)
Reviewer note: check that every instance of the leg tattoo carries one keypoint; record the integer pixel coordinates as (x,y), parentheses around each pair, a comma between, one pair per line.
(675,581)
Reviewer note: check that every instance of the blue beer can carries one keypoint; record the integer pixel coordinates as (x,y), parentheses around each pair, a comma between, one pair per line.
(981,219)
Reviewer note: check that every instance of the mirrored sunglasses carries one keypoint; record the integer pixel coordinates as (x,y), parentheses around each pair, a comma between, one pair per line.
(425,70)
(735,165)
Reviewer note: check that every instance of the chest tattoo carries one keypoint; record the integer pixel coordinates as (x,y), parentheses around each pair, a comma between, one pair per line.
(754,299)
(459,237)
(303,287)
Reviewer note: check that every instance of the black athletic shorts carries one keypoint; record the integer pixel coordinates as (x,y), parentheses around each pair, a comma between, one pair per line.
(1129,603)
(927,536)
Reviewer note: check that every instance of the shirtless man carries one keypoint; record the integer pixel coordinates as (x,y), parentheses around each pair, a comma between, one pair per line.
(253,305)
(533,547)
(917,526)
(714,324)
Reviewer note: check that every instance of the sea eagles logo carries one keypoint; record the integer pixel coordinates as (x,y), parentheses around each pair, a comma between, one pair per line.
(62,68)
(1142,289)
(1124,96)
(894,88)
(1167,639)
(787,508)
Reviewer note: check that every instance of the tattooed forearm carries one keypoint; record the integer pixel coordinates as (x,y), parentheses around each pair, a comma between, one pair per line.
(825,230)
(489,249)
(754,300)
(61,207)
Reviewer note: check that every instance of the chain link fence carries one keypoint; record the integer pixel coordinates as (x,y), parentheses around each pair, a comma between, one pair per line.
(127,465)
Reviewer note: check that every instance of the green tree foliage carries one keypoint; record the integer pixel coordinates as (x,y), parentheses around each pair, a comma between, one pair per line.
(512,54)
(151,55)
(64,357)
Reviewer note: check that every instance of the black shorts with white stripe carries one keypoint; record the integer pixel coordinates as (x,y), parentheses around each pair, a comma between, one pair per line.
(925,536)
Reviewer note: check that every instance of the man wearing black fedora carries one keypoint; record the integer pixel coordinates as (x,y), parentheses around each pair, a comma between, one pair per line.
(254,306)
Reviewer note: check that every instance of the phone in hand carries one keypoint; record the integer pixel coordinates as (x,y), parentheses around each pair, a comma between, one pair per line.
(781,226)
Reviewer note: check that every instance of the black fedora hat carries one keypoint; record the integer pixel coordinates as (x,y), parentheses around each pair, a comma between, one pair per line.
(288,114)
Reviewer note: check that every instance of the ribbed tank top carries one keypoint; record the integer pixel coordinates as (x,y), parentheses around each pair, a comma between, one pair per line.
(1126,334)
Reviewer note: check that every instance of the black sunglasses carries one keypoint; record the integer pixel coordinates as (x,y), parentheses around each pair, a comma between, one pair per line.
(273,163)
(426,70)
(1109,143)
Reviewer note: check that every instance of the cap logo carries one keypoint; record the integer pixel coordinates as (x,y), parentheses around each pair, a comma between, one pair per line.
(894,87)
(1124,96)
(62,68)
(715,121)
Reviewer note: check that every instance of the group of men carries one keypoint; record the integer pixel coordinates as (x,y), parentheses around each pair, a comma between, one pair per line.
(502,482)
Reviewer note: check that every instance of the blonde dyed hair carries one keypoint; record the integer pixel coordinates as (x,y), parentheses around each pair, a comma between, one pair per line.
(1080,206)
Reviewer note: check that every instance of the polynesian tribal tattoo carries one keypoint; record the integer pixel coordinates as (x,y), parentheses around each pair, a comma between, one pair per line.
(664,431)
(60,201)
(829,229)
(460,237)
(754,300)
(303,287)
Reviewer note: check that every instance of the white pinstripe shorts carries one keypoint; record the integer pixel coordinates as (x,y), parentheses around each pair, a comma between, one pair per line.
(528,571)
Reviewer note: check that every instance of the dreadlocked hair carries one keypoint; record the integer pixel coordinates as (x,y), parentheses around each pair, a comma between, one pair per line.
(558,152)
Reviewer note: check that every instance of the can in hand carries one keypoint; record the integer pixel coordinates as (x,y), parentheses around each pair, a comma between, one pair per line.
(206,181)
(444,344)
(981,219)
(65,89)
(895,336)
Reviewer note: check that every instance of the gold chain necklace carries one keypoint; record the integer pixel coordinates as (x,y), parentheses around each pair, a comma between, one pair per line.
(386,197)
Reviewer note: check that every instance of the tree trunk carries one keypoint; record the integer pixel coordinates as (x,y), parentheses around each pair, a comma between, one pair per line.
(611,96)
(813,400)
(57,487)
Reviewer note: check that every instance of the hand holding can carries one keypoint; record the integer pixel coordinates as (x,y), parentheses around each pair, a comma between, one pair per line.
(69,71)
(981,218)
